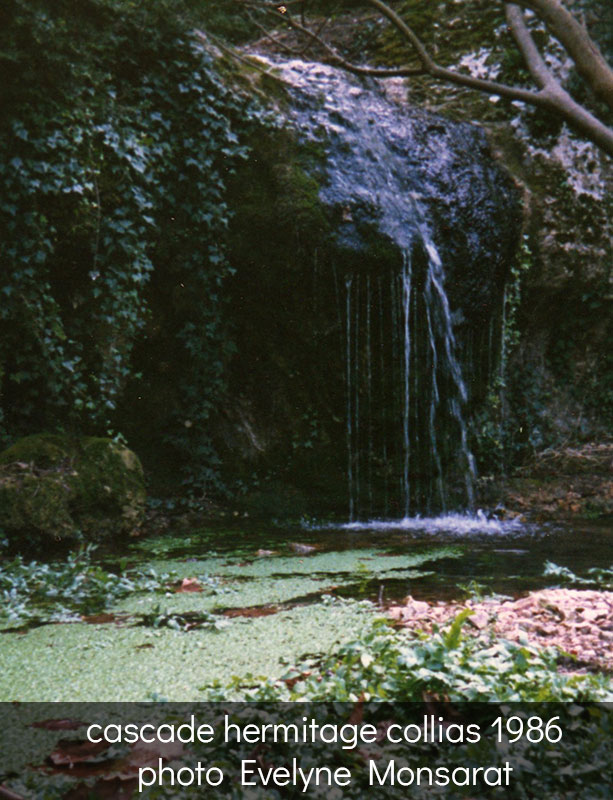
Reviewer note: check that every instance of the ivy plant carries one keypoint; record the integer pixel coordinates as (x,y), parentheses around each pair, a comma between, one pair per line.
(116,140)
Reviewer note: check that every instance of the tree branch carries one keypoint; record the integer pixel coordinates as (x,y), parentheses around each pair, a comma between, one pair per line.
(534,61)
(436,71)
(575,39)
(553,95)
(337,58)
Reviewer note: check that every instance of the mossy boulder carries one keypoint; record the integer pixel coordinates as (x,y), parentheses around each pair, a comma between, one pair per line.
(62,487)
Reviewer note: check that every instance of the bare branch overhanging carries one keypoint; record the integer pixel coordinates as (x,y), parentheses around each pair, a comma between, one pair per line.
(549,93)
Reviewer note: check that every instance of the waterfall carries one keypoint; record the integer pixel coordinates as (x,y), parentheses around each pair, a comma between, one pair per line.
(350,443)
(406,394)
(412,199)
(420,431)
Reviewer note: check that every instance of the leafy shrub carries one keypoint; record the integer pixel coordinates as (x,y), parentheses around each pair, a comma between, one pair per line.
(597,577)
(36,592)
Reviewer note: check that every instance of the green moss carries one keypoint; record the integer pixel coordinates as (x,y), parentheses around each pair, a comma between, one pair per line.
(276,195)
(46,450)
(57,486)
(109,479)
(33,501)
(274,87)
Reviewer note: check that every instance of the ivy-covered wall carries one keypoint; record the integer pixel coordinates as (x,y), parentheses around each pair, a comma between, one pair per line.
(116,141)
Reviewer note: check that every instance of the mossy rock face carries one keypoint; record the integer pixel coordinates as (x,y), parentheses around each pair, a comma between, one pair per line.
(61,487)
(45,450)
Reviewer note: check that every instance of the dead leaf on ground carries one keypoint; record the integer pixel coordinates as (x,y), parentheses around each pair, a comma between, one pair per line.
(251,611)
(103,619)
(85,759)
(189,585)
(69,752)
(291,682)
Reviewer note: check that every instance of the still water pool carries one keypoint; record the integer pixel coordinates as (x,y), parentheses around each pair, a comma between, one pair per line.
(504,556)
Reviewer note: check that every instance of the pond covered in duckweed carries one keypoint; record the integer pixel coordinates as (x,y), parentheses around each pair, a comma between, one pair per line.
(237,602)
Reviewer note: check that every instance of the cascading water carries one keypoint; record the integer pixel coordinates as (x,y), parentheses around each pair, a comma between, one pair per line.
(405,392)
(414,182)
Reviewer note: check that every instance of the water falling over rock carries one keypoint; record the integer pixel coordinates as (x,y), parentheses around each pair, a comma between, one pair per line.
(406,429)
(416,327)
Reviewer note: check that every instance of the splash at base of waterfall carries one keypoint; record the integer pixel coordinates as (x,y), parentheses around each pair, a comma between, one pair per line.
(450,524)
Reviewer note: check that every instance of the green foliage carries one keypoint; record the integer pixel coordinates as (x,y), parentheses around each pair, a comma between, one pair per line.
(519,269)
(116,141)
(453,636)
(474,590)
(364,575)
(36,592)
(507,424)
(399,666)
(160,618)
(597,577)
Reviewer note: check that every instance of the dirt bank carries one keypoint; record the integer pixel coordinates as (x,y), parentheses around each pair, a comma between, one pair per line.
(558,484)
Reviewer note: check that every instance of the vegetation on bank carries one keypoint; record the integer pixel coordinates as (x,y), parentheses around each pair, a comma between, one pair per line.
(156,626)
(120,306)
